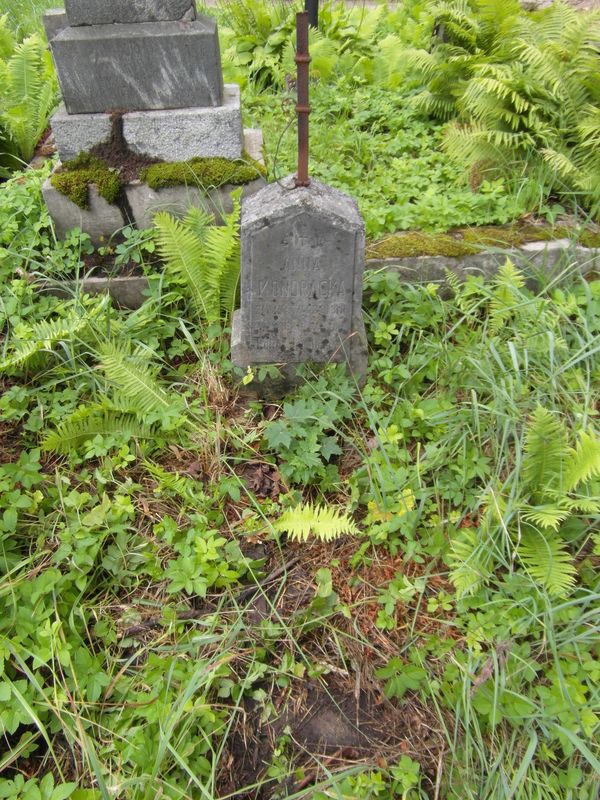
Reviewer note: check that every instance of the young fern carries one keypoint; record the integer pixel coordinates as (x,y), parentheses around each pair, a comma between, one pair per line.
(85,424)
(551,472)
(547,559)
(323,522)
(134,383)
(204,257)
(44,336)
(28,93)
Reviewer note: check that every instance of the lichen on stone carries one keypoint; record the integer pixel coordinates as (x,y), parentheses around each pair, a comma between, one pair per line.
(468,241)
(74,177)
(204,172)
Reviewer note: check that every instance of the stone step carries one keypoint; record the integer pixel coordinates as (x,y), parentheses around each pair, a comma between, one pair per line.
(174,135)
(138,67)
(106,12)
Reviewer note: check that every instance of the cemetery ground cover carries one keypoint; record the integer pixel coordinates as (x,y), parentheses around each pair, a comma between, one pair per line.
(386,591)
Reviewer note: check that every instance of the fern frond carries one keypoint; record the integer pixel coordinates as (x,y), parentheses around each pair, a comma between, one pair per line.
(584,462)
(545,516)
(135,382)
(583,505)
(471,561)
(182,251)
(548,561)
(323,522)
(44,335)
(180,485)
(546,451)
(86,424)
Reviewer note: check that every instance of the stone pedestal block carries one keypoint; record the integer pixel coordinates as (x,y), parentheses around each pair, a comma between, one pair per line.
(182,134)
(55,21)
(78,133)
(92,12)
(174,135)
(145,66)
(100,221)
(177,200)
(302,271)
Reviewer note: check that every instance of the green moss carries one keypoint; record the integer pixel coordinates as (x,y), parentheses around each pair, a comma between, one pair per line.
(74,179)
(467,241)
(590,238)
(203,171)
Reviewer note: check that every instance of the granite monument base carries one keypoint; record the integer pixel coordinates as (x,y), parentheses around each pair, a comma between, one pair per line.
(102,220)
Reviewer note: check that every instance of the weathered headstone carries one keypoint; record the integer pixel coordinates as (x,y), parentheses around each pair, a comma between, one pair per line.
(302,271)
(303,246)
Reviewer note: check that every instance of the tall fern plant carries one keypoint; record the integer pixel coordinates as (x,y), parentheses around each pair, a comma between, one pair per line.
(204,257)
(558,493)
(531,107)
(28,94)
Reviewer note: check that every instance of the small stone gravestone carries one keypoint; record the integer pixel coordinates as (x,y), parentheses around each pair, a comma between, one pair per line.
(303,246)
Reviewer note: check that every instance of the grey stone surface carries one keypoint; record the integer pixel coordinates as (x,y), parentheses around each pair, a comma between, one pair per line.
(55,21)
(175,135)
(254,143)
(177,200)
(129,292)
(542,258)
(152,65)
(76,133)
(100,221)
(182,134)
(302,272)
(105,12)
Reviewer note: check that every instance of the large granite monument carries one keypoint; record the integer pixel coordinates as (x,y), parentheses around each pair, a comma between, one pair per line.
(152,68)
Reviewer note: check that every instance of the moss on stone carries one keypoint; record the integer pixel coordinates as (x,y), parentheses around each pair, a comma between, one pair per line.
(74,177)
(204,172)
(468,241)
(590,238)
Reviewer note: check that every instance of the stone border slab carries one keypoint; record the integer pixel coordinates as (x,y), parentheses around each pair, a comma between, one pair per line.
(107,12)
(130,292)
(544,256)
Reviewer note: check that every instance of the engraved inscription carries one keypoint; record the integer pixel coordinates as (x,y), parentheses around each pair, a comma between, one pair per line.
(301,288)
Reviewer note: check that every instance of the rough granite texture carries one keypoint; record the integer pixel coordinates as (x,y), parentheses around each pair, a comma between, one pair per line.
(55,21)
(101,220)
(106,12)
(78,133)
(144,66)
(174,135)
(182,134)
(177,200)
(301,284)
